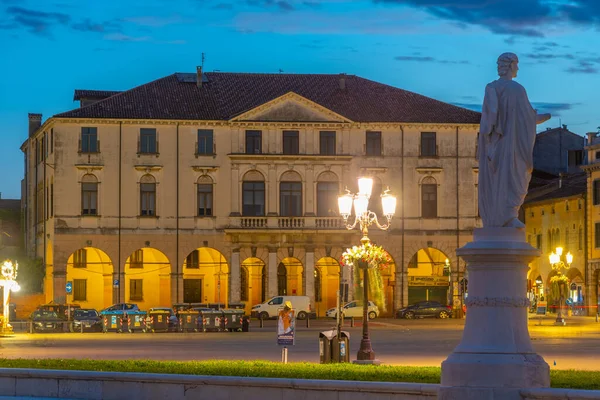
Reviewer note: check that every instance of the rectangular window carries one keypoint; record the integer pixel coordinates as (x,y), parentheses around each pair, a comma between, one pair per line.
(290,200)
(597,234)
(253,198)
(89,198)
(148,199)
(538,241)
(373,143)
(596,192)
(137,259)
(253,142)
(291,142)
(79,290)
(192,290)
(136,289)
(205,200)
(575,157)
(327,199)
(327,143)
(80,258)
(428,144)
(205,142)
(89,140)
(193,260)
(148,142)
(429,200)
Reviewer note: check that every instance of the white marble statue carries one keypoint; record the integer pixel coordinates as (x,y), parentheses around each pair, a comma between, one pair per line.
(505,148)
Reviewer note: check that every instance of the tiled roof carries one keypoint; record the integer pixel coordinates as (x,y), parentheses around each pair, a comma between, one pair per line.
(93,94)
(571,185)
(225,95)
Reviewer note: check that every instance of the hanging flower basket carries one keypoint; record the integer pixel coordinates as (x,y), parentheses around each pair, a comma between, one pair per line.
(559,279)
(366,256)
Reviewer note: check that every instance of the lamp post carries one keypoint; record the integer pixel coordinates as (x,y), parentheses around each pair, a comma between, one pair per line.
(8,284)
(557,264)
(364,218)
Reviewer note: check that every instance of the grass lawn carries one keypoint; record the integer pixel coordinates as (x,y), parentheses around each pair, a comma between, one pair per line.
(589,380)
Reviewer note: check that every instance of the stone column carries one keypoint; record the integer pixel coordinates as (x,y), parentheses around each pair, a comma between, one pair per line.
(235,189)
(495,358)
(122,283)
(272,273)
(272,190)
(234,276)
(309,192)
(59,281)
(309,274)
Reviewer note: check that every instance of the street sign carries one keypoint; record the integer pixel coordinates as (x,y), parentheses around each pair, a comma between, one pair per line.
(69,287)
(116,283)
(541,307)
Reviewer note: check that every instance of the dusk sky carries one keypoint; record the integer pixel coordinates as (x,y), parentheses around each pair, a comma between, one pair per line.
(445,49)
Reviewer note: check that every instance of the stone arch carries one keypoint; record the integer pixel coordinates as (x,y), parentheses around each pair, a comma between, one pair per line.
(89,178)
(428,275)
(90,271)
(147,178)
(205,180)
(326,282)
(294,276)
(261,253)
(428,180)
(205,277)
(327,176)
(253,176)
(290,176)
(148,278)
(256,281)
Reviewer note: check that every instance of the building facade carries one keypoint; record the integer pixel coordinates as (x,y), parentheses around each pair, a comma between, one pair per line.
(558,150)
(222,187)
(592,168)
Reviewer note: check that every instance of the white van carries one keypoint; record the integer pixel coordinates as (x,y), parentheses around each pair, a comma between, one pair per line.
(270,308)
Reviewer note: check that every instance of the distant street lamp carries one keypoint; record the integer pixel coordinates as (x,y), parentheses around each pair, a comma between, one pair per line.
(8,283)
(364,218)
(557,264)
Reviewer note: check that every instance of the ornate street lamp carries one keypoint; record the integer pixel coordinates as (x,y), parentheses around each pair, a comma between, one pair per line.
(557,264)
(8,283)
(364,218)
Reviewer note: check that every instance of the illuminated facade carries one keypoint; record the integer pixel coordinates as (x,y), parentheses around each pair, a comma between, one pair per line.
(222,187)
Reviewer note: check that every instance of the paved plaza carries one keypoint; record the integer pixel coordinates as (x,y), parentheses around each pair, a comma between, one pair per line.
(397,342)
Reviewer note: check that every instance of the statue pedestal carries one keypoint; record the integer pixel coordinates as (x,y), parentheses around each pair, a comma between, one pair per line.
(495,358)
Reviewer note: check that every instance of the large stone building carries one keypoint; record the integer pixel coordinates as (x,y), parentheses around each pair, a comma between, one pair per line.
(592,168)
(222,187)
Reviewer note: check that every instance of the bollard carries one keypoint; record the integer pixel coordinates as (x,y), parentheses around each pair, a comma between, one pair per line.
(352,322)
(81,324)
(596,317)
(30,326)
(261,321)
(307,321)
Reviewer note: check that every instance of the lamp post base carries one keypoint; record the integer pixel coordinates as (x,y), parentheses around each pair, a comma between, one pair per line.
(367,362)
(560,321)
(365,353)
(8,331)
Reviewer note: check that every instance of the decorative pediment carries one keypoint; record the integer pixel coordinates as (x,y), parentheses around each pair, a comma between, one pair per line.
(290,107)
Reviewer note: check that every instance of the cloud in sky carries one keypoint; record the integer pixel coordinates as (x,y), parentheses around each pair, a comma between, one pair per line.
(554,108)
(36,22)
(429,59)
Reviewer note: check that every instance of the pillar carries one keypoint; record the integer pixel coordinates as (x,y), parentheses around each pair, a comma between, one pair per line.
(235,189)
(272,273)
(59,278)
(495,358)
(272,191)
(176,287)
(309,274)
(234,276)
(309,192)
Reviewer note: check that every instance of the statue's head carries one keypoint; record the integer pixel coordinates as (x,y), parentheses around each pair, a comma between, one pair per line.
(508,65)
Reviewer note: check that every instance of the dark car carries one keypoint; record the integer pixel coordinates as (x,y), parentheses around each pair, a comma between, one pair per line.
(89,318)
(120,308)
(423,309)
(173,320)
(63,311)
(46,321)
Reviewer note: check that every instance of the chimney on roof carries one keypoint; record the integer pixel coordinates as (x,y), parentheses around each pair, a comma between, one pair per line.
(590,137)
(199,77)
(35,121)
(342,81)
(564,126)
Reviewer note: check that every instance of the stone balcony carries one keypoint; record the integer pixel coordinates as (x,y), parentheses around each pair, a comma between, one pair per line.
(291,223)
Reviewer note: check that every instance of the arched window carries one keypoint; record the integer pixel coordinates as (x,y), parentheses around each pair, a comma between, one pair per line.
(205,196)
(290,195)
(89,195)
(318,289)
(429,198)
(327,194)
(244,284)
(253,194)
(148,196)
(281,280)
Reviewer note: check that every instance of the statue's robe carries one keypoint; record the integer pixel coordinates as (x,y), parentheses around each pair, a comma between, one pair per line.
(505,152)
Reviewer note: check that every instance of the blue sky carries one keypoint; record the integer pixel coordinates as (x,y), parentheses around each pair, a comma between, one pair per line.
(444,49)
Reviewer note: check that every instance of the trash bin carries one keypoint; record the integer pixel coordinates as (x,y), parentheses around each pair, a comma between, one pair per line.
(232,320)
(237,306)
(245,323)
(188,320)
(111,322)
(216,306)
(325,346)
(158,321)
(340,348)
(136,321)
(212,320)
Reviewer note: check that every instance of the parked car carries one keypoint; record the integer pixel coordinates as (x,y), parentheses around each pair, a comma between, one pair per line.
(271,307)
(62,310)
(46,321)
(89,318)
(120,308)
(173,320)
(423,309)
(354,309)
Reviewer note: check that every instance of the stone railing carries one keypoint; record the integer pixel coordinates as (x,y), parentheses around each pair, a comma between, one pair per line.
(290,222)
(253,222)
(329,223)
(277,222)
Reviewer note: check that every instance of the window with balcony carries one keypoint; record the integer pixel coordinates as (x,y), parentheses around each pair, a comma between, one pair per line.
(253,199)
(147,196)
(136,289)
(429,198)
(373,143)
(205,196)
(327,143)
(428,144)
(290,200)
(253,142)
(205,145)
(291,142)
(327,198)
(89,195)
(88,143)
(148,143)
